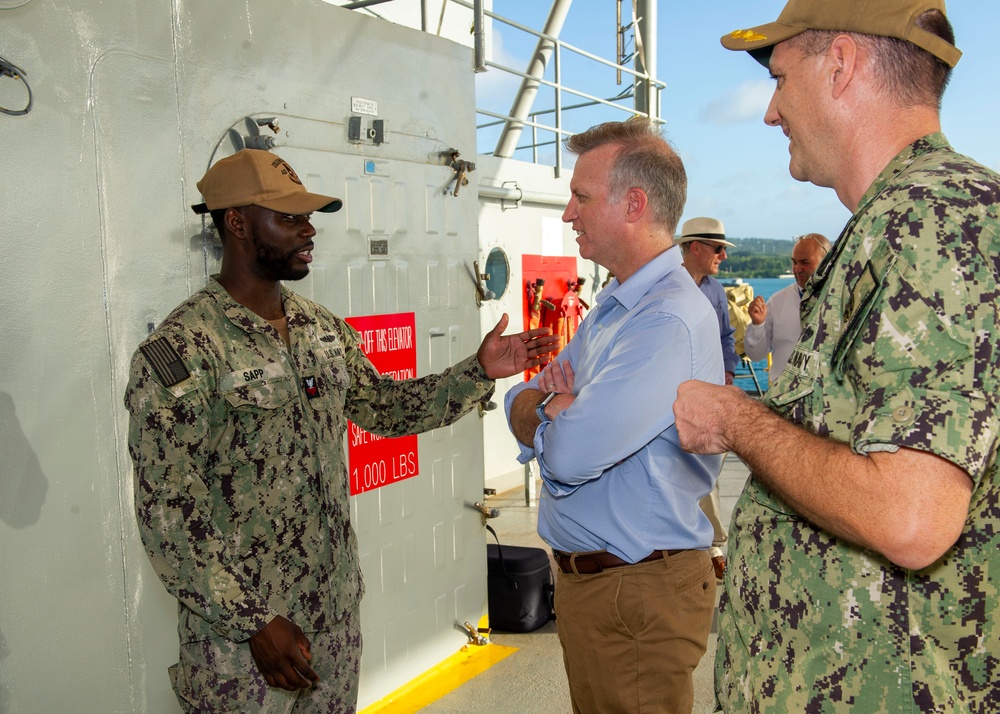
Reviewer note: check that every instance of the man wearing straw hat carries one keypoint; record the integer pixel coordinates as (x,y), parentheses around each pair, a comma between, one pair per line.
(703,244)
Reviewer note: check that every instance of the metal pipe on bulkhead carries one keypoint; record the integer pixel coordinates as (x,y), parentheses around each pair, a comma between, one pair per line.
(519,195)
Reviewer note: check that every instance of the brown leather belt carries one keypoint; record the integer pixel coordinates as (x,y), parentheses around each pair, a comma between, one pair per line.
(590,563)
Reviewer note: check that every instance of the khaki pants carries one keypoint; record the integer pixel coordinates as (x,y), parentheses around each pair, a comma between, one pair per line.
(632,636)
(220,675)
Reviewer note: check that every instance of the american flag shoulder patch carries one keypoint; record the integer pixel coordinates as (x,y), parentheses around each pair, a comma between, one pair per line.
(165,361)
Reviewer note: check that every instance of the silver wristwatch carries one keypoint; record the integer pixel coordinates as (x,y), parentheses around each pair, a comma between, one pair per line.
(540,407)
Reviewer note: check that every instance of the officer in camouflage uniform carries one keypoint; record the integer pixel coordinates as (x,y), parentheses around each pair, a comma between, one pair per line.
(239,402)
(865,548)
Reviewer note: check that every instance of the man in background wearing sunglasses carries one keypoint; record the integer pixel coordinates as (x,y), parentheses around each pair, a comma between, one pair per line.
(703,245)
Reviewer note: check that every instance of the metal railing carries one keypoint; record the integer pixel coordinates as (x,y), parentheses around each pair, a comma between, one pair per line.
(627,93)
(558,130)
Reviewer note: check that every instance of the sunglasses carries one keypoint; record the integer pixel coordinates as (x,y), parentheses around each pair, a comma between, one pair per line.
(718,247)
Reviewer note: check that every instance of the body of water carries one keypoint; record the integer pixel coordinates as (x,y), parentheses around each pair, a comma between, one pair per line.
(764,287)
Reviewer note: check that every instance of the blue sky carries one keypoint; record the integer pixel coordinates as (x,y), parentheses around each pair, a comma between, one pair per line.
(715,100)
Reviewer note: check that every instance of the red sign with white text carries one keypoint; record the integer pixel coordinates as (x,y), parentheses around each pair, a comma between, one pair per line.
(376,461)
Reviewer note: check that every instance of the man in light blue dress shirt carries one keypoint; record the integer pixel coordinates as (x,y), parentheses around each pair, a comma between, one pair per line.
(619,505)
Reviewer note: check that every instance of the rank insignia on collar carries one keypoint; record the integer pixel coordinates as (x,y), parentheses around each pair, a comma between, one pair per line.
(311,385)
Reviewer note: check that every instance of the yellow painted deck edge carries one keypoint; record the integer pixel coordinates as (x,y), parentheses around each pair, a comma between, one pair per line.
(438,681)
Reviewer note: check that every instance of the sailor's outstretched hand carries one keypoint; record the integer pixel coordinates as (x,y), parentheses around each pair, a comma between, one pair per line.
(506,355)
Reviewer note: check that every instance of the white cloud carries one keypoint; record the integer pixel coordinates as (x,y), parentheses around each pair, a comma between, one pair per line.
(747,103)
(495,89)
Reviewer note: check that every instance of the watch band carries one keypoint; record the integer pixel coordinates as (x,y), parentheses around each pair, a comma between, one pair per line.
(540,407)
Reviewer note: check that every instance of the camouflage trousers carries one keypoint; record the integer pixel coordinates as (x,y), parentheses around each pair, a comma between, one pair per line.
(220,675)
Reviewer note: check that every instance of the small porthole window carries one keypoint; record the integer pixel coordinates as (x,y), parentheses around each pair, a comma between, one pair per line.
(498,270)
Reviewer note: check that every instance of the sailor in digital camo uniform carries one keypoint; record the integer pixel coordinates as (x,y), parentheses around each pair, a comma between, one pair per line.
(239,402)
(865,549)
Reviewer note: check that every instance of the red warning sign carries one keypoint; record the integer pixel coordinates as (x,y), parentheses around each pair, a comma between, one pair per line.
(374,461)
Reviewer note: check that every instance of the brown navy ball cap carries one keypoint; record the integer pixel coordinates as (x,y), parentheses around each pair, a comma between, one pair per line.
(252,176)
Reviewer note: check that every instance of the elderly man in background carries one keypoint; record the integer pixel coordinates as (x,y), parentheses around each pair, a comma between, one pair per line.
(775,326)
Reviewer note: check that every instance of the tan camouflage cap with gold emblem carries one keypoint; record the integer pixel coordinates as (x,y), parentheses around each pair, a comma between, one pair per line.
(252,176)
(885,18)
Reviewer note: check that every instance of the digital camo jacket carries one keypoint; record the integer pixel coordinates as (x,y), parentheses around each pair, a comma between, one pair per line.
(899,349)
(241,487)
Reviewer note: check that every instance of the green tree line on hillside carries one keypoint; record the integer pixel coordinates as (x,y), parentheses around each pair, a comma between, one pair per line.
(757,258)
